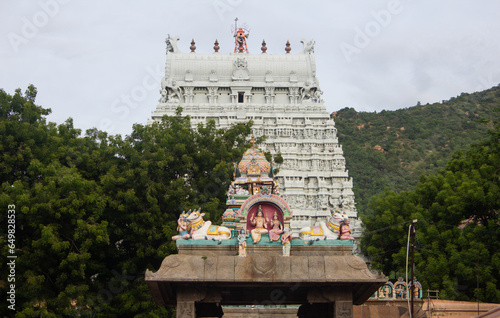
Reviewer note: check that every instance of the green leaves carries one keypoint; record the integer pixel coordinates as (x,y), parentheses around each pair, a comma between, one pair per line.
(458,229)
(94,212)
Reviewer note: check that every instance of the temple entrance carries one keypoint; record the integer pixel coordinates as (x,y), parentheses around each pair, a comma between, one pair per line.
(252,259)
(325,280)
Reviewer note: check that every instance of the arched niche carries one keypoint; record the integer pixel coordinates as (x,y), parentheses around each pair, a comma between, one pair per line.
(274,202)
(268,210)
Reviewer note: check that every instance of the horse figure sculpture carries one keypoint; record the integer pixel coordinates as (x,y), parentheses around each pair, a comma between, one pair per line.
(201,229)
(328,230)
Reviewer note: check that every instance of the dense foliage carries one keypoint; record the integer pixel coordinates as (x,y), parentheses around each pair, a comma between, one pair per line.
(393,148)
(93,213)
(458,229)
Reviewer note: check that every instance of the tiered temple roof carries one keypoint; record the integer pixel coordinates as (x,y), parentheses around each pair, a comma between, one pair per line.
(281,95)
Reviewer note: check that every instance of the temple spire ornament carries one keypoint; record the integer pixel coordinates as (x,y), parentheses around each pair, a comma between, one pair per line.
(264,47)
(288,48)
(216,46)
(240,38)
(192,47)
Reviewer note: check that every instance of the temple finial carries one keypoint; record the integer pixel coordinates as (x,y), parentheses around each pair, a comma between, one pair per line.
(216,46)
(192,47)
(264,47)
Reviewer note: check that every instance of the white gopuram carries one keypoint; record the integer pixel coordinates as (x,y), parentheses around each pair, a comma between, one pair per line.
(281,94)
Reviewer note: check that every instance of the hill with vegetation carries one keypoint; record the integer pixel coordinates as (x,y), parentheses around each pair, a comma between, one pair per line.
(438,164)
(394,148)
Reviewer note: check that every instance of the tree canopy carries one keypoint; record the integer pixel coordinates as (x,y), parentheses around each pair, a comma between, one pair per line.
(458,229)
(93,212)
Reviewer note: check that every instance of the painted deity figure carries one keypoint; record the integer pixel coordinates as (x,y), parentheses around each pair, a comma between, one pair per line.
(286,240)
(182,228)
(259,222)
(242,243)
(276,228)
(345,230)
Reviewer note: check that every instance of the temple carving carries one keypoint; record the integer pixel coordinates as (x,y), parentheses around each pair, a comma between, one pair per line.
(281,95)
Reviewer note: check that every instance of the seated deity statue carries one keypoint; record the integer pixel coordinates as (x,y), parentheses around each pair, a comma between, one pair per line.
(182,228)
(276,228)
(259,222)
(345,230)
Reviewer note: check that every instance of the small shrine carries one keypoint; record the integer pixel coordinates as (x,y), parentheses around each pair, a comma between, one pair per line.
(254,201)
(253,258)
(398,290)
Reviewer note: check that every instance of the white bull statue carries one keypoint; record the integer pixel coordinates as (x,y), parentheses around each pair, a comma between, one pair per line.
(201,229)
(328,230)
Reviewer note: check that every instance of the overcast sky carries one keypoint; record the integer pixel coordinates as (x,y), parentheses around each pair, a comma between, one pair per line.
(88,57)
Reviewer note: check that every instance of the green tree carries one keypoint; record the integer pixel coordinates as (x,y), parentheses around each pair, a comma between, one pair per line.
(458,229)
(94,212)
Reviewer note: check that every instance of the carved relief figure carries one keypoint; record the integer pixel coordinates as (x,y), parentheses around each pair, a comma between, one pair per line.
(345,230)
(260,224)
(172,44)
(240,190)
(240,71)
(400,289)
(242,243)
(316,97)
(286,240)
(182,228)
(253,168)
(308,46)
(276,228)
(173,91)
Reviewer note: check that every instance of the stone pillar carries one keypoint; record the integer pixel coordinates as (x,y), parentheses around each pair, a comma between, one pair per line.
(186,309)
(343,309)
(193,302)
(328,303)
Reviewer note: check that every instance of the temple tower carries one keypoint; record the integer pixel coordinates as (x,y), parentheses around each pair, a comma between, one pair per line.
(282,96)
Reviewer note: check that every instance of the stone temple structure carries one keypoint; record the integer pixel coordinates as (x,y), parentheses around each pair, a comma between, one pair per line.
(282,96)
(253,259)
